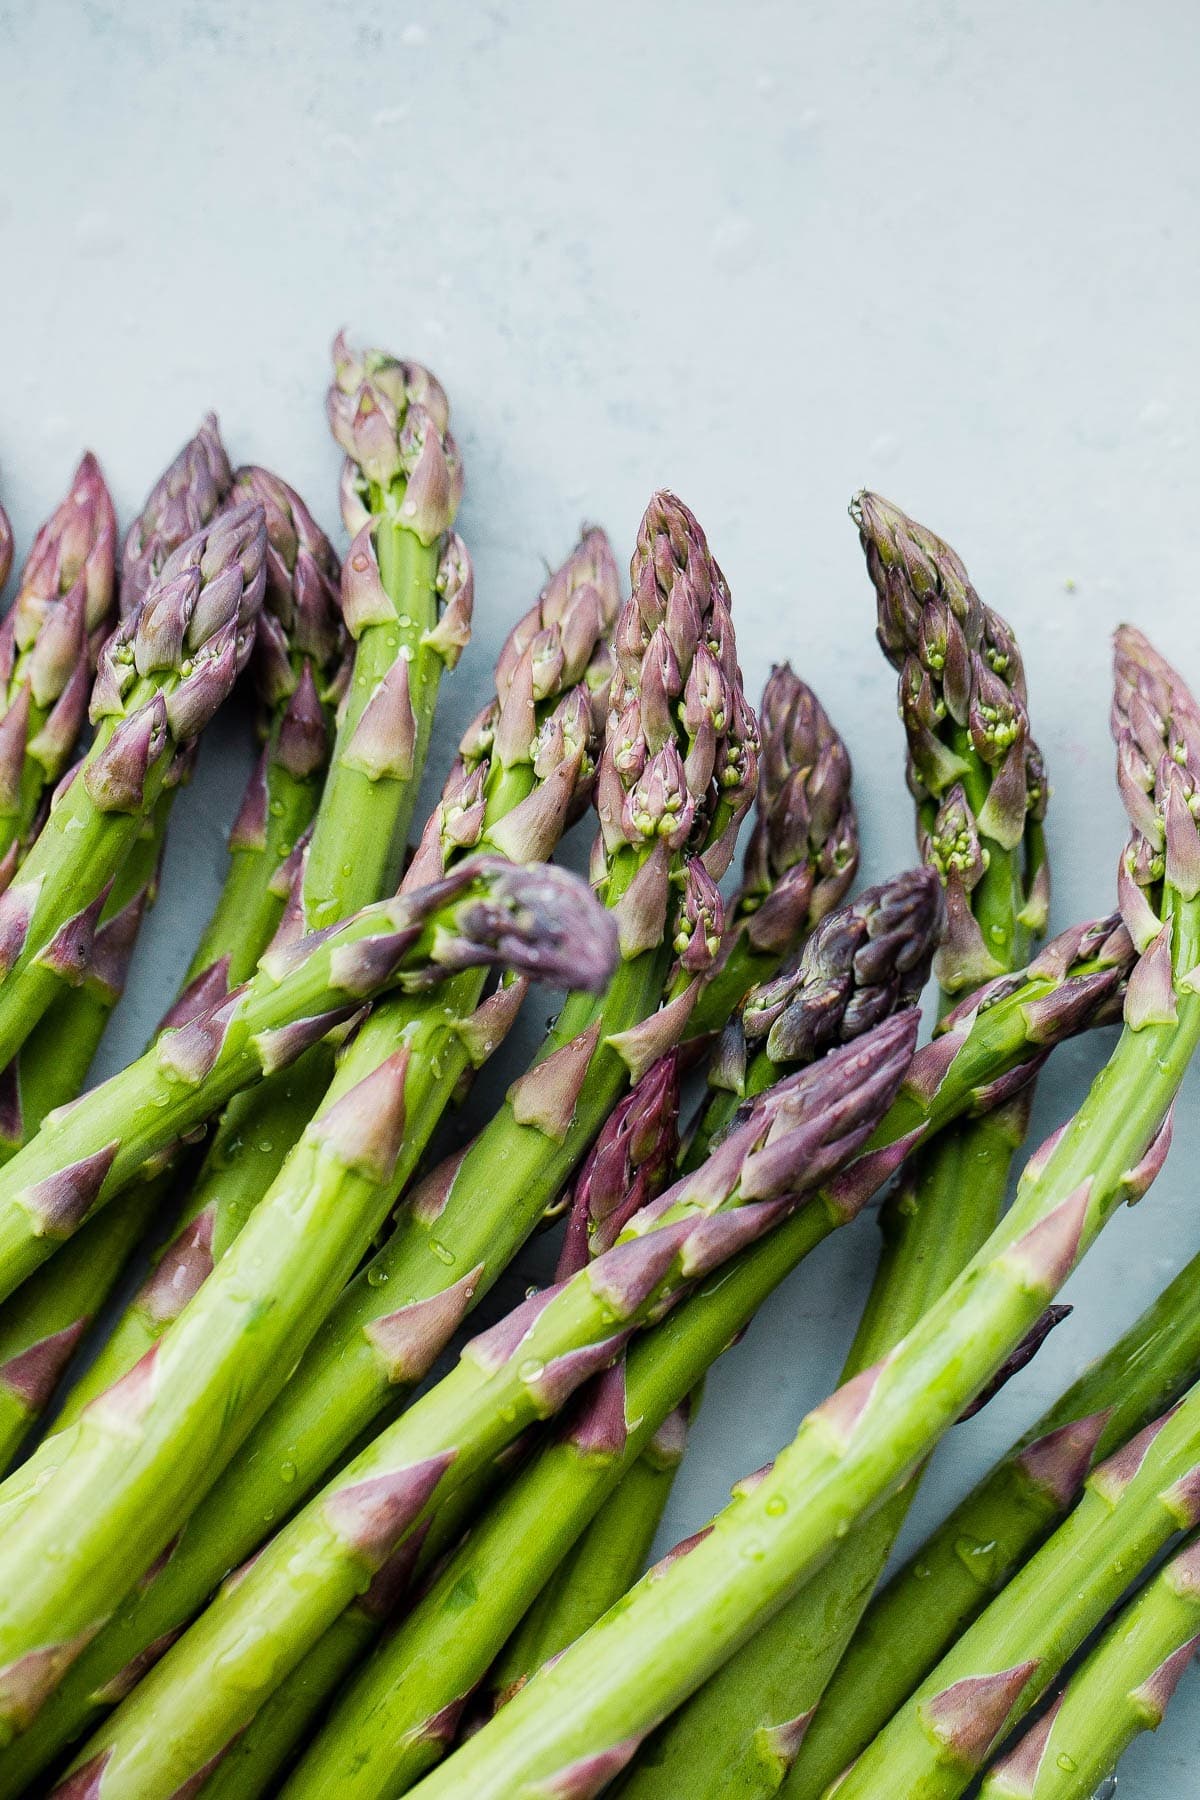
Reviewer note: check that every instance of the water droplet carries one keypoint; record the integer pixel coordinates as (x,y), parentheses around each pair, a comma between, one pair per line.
(265,1146)
(443,1254)
(277,808)
(287,1472)
(776,1506)
(531,1369)
(979,1557)
(376,1278)
(1066,1763)
(921,1571)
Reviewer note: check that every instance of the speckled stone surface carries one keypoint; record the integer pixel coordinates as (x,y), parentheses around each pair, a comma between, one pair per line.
(763,255)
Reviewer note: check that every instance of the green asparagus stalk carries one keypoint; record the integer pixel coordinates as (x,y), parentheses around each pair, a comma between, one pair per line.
(49,641)
(803,851)
(1122,1689)
(519,1371)
(489,911)
(187,496)
(932,1599)
(1132,1505)
(401,488)
(42,1324)
(253,1763)
(162,675)
(506,1560)
(584,1717)
(970,757)
(517,793)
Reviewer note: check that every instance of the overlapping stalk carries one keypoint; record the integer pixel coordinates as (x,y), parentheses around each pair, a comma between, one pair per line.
(298,652)
(162,675)
(187,496)
(508,788)
(526,765)
(590,1710)
(1132,1506)
(521,1370)
(1122,1689)
(977,777)
(49,641)
(864,961)
(932,1599)
(675,778)
(535,920)
(507,1558)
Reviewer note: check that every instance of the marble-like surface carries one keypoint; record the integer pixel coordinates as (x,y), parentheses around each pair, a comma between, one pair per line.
(763,255)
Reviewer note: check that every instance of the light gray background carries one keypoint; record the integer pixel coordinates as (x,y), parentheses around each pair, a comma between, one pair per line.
(762,254)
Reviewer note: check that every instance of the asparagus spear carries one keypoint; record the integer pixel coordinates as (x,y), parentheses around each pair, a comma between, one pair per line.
(538,920)
(523,1369)
(187,496)
(1132,1505)
(1073,984)
(803,851)
(931,1600)
(970,758)
(49,642)
(506,789)
(864,961)
(507,1559)
(401,486)
(162,674)
(591,1709)
(297,655)
(1122,1689)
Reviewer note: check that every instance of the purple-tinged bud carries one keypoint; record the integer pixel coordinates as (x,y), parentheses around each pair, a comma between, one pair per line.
(383,745)
(1018,1359)
(186,496)
(302,745)
(6,546)
(371,1516)
(641,911)
(1150,994)
(364,601)
(301,569)
(455,585)
(701,921)
(115,775)
(660,804)
(546,1096)
(409,1340)
(1044,1255)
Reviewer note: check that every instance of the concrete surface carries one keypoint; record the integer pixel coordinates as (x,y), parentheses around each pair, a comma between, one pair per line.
(763,255)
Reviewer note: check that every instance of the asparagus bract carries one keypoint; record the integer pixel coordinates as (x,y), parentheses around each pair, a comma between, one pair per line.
(186,497)
(1122,1689)
(1075,981)
(49,642)
(162,675)
(1132,1505)
(523,1369)
(593,1707)
(6,547)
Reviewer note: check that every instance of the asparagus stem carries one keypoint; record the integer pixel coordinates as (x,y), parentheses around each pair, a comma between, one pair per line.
(623,1677)
(1132,1505)
(1122,1689)
(521,1370)
(932,1599)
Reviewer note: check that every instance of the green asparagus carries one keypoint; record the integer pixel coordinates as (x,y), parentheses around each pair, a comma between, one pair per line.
(1123,1688)
(583,1718)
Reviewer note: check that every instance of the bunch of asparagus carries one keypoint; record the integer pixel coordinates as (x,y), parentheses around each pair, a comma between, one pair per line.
(281,1521)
